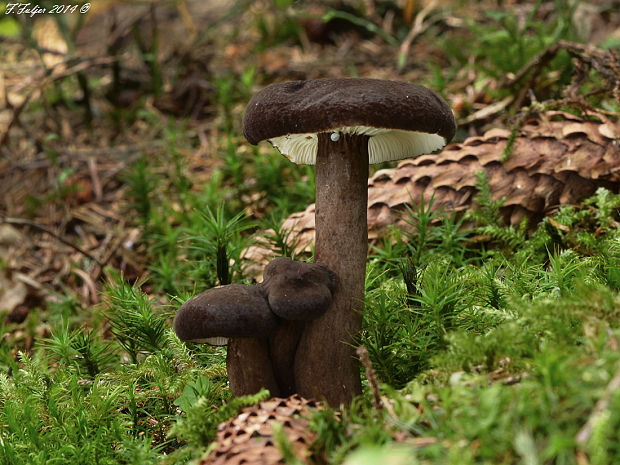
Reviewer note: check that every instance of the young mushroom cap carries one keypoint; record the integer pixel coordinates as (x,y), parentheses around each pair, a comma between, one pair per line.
(298,290)
(402,119)
(231,311)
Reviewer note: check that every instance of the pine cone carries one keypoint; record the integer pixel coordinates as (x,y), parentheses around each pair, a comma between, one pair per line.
(557,159)
(249,437)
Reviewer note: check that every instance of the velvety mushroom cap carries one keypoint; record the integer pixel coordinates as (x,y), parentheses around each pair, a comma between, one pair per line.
(402,119)
(298,290)
(234,310)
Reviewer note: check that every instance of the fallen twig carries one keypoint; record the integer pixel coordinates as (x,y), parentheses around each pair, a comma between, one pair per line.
(32,224)
(370,375)
(94,176)
(14,118)
(585,57)
(418,27)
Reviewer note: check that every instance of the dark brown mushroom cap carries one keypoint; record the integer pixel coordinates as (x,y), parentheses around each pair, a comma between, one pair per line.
(322,105)
(298,290)
(234,310)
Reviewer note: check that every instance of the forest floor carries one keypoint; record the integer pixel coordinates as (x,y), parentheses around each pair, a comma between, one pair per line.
(123,169)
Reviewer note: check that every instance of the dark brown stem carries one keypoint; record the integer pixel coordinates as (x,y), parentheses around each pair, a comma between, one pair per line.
(249,366)
(325,363)
(282,348)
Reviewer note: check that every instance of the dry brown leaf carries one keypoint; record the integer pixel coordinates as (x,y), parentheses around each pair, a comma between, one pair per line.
(12,292)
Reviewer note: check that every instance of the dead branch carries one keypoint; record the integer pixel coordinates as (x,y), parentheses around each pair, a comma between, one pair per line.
(32,224)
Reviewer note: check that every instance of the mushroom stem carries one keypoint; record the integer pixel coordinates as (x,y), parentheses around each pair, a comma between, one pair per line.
(325,363)
(282,349)
(249,366)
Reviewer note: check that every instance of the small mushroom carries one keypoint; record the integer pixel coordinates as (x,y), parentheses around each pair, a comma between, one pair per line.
(342,125)
(261,324)
(298,290)
(236,314)
(234,310)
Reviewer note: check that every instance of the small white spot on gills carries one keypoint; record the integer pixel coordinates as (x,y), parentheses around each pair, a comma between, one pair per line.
(518,186)
(335,136)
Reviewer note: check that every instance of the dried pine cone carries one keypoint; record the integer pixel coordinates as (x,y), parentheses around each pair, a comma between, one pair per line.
(249,437)
(556,159)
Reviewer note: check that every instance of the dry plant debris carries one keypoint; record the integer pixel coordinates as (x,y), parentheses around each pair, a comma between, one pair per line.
(585,58)
(556,159)
(250,438)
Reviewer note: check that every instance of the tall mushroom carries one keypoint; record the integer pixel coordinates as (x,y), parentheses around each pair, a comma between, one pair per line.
(342,125)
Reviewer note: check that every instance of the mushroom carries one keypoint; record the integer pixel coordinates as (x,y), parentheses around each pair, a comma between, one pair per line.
(297,290)
(342,125)
(261,323)
(234,310)
(236,314)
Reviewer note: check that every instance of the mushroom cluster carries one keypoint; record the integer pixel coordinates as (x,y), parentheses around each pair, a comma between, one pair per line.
(260,323)
(293,334)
